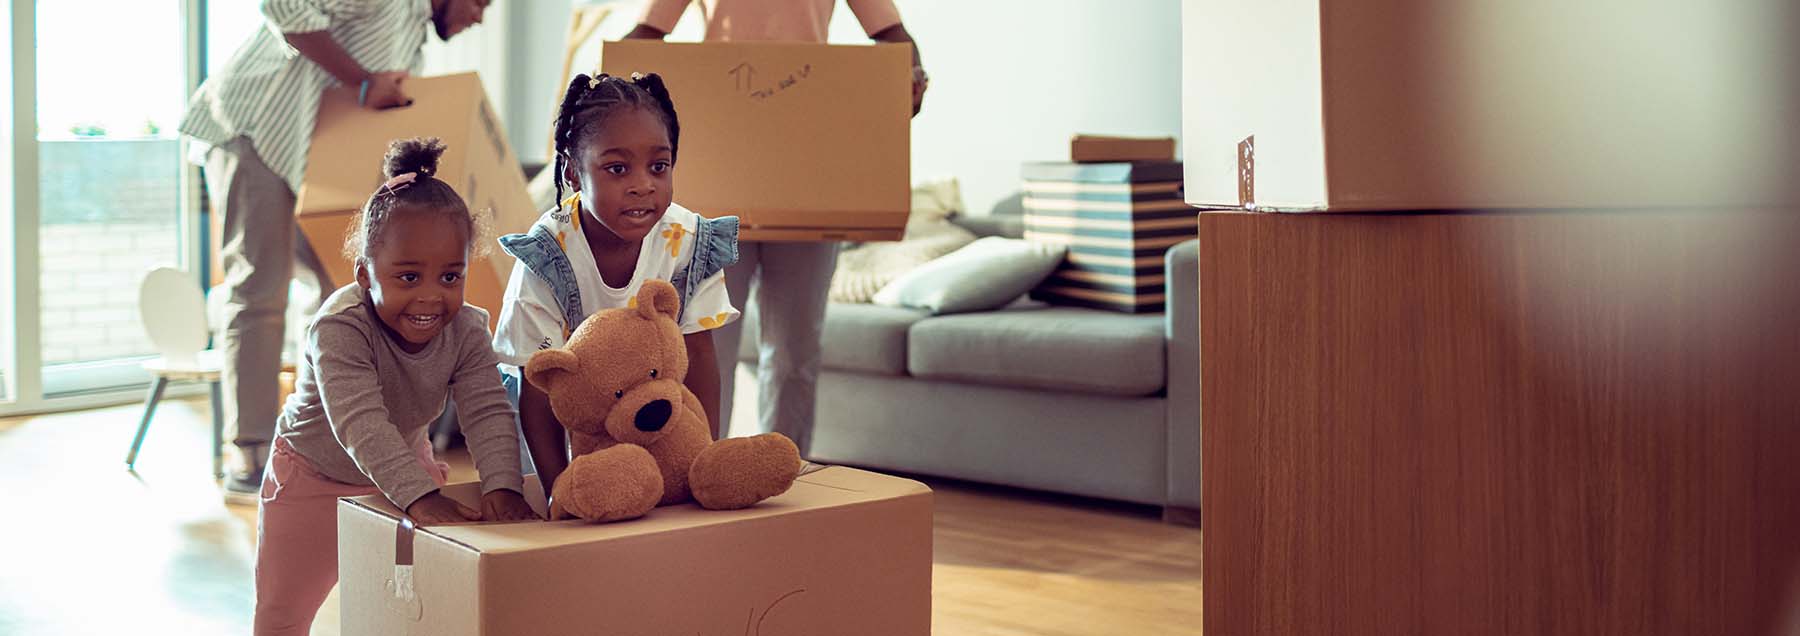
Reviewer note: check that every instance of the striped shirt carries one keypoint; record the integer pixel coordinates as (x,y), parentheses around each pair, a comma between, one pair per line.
(269,93)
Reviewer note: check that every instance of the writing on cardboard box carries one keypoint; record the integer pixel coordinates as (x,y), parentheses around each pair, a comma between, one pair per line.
(743,77)
(754,622)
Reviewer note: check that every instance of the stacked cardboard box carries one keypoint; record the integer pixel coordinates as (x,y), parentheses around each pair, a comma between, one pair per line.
(1118,220)
(1109,148)
(1425,105)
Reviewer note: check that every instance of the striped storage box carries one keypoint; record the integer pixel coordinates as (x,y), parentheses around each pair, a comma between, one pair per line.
(1117,219)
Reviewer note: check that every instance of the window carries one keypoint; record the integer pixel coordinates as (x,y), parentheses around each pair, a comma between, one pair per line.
(96,189)
(109,186)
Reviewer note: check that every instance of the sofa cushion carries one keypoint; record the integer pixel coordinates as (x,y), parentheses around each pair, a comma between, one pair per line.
(865,338)
(1059,348)
(982,275)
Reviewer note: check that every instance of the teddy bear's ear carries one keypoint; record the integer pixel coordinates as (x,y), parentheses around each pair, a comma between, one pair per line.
(548,367)
(658,297)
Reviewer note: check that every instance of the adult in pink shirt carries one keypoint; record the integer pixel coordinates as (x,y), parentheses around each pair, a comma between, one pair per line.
(791,280)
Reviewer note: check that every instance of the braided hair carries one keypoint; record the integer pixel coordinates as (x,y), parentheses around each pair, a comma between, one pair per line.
(422,192)
(590,100)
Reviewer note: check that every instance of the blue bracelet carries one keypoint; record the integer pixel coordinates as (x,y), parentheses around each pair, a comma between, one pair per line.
(362,94)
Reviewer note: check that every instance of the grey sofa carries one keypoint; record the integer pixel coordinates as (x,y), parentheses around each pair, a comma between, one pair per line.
(1062,399)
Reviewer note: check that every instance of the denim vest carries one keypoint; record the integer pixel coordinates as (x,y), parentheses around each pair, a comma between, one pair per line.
(715,247)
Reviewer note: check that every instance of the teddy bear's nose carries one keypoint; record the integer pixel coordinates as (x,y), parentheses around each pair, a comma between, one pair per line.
(653,416)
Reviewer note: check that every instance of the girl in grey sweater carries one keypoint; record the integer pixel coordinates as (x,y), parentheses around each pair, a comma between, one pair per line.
(381,359)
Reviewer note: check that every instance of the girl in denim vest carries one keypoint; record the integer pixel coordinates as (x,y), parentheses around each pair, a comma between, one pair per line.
(616,142)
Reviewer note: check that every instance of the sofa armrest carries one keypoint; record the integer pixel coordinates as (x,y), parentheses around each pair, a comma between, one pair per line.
(1182,325)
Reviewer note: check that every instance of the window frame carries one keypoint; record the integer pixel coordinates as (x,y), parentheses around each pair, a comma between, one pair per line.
(31,388)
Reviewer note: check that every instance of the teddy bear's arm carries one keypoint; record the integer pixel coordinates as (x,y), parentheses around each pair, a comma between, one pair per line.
(738,472)
(620,482)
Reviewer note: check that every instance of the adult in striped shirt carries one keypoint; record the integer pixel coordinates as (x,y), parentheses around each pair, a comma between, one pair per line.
(250,125)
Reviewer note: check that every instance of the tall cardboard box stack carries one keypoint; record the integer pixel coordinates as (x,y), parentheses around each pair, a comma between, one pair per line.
(802,142)
(842,552)
(343,167)
(1117,219)
(1342,105)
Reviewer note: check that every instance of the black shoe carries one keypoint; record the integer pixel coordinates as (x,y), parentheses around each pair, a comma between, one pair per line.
(243,485)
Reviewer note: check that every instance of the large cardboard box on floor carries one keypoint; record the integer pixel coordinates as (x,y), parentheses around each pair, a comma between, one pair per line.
(800,141)
(343,167)
(844,551)
(1341,105)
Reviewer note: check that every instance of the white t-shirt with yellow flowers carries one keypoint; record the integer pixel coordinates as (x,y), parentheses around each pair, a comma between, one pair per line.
(531,320)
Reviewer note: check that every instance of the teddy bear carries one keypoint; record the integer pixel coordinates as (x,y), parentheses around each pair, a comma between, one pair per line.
(639,437)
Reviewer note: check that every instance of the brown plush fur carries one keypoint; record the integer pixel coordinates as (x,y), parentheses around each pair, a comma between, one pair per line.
(640,437)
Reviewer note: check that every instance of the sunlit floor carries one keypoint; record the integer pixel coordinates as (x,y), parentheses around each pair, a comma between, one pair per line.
(89,548)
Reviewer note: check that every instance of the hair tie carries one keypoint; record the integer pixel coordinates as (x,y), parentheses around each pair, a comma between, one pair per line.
(398,183)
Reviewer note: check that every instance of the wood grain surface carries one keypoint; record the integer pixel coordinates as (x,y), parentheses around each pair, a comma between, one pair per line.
(1501,423)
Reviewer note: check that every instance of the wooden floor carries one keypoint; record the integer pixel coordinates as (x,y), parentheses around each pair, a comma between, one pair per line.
(87,547)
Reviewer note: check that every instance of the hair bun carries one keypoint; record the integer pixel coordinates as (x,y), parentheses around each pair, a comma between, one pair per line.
(419,154)
(650,81)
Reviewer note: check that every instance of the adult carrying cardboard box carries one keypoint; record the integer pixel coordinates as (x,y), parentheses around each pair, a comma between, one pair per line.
(844,551)
(343,167)
(801,141)
(1329,105)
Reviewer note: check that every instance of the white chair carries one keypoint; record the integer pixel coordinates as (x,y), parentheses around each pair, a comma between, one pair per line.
(173,311)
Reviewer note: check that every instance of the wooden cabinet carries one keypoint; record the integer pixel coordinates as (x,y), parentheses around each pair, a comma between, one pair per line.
(1580,422)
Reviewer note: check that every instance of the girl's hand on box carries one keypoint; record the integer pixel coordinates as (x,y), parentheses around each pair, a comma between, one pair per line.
(435,508)
(506,505)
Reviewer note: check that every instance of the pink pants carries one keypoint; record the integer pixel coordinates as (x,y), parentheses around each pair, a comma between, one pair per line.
(296,538)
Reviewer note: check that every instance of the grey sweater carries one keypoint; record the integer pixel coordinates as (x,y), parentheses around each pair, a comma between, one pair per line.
(361,404)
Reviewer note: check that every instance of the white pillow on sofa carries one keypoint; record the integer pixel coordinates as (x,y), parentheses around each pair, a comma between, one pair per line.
(863,269)
(985,274)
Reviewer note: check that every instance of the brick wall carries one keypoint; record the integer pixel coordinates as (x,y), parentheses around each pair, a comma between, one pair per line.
(109,216)
(110,181)
(90,278)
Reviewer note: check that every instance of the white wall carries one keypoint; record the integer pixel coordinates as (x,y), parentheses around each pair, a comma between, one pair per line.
(535,33)
(1011,80)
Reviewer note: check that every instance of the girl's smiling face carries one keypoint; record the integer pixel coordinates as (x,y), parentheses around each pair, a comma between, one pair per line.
(625,169)
(414,276)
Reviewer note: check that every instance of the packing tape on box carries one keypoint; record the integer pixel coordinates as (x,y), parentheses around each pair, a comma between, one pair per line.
(403,598)
(1246,173)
